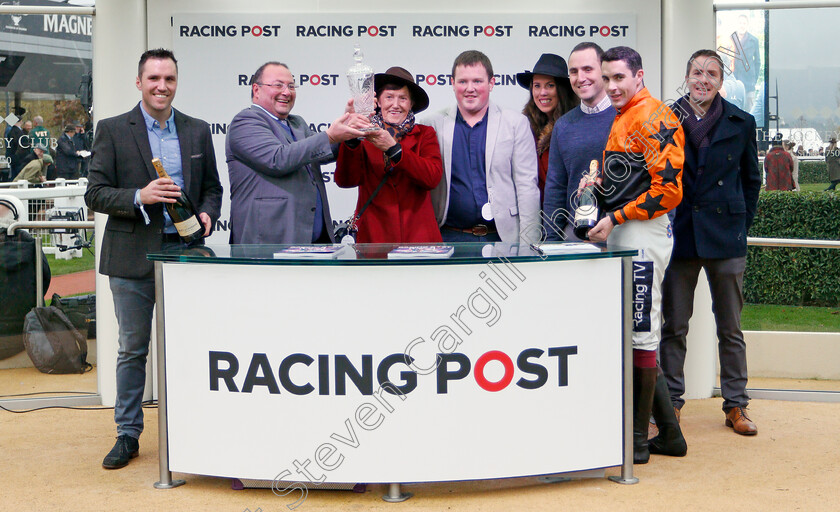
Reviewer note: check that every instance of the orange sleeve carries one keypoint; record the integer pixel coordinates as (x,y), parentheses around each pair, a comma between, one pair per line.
(661,139)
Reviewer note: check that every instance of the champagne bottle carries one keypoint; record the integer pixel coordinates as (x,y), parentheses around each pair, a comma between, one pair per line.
(586,214)
(182,212)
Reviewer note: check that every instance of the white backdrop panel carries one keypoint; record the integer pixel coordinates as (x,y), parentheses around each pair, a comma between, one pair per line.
(218,53)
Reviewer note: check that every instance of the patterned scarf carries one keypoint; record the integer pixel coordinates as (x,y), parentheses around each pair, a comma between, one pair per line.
(698,130)
(397,131)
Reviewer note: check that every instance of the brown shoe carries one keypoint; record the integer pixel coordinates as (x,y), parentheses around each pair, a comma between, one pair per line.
(677,414)
(738,420)
(653,430)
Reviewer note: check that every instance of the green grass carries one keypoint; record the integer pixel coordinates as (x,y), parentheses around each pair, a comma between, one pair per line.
(812,187)
(61,267)
(758,317)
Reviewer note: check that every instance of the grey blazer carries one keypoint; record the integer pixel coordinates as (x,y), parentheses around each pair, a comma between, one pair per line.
(274,180)
(511,157)
(121,164)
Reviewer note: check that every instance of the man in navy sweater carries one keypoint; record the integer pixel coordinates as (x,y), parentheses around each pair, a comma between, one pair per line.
(578,138)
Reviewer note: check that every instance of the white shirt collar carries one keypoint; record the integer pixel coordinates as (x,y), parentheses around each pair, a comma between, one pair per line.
(267,112)
(600,107)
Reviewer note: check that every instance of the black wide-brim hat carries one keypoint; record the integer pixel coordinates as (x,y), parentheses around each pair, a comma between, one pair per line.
(548,64)
(401,76)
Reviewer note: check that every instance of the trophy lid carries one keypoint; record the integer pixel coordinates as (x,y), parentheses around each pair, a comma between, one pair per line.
(359,67)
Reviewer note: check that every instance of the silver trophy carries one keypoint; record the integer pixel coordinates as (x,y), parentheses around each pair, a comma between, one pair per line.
(360,77)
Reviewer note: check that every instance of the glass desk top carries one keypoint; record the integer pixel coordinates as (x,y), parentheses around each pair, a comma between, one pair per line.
(378,254)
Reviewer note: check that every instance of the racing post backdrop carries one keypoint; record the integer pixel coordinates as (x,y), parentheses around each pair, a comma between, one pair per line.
(218,53)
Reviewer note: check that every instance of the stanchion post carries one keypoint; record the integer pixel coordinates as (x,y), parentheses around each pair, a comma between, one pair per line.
(627,349)
(166,481)
(39,274)
(395,495)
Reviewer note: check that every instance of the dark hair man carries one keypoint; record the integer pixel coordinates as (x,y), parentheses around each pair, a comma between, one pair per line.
(121,186)
(277,195)
(67,160)
(488,191)
(578,138)
(642,172)
(721,181)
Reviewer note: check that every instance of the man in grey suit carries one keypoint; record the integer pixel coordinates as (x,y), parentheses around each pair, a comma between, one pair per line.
(489,187)
(124,185)
(277,195)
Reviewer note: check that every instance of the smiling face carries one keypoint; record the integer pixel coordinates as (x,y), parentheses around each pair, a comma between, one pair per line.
(621,84)
(157,84)
(704,80)
(544,92)
(394,104)
(275,95)
(585,76)
(472,89)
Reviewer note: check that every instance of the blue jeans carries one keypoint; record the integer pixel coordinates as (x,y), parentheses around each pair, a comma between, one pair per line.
(134,303)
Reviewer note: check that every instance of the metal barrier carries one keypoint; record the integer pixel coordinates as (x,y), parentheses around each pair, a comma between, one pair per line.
(52,199)
(793,242)
(792,394)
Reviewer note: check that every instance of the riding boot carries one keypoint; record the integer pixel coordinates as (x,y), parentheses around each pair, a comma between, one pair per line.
(670,440)
(644,382)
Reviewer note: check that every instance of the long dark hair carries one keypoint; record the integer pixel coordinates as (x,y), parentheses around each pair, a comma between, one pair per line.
(566,101)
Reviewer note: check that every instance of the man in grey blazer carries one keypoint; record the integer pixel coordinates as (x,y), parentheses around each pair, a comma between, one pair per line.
(489,187)
(277,195)
(124,185)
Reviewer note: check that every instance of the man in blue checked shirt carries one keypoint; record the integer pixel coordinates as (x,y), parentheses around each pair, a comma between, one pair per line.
(124,185)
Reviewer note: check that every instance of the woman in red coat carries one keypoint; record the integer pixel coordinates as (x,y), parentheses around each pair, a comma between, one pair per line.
(405,156)
(551,97)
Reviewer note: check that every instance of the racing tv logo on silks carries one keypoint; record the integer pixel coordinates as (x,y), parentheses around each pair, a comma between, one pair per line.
(642,295)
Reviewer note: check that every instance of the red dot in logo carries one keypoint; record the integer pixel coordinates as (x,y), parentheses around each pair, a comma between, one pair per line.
(605,31)
(314,79)
(431,79)
(493,355)
(489,31)
(256,30)
(373,31)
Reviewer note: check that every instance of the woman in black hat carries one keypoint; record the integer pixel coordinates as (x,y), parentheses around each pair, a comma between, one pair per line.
(551,97)
(395,167)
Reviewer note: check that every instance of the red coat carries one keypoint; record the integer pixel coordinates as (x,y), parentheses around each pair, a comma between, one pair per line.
(402,210)
(778,166)
(541,174)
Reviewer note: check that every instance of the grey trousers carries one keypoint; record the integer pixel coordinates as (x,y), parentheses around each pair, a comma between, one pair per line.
(726,282)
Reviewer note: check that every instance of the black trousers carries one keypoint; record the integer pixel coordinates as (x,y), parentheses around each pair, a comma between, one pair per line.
(726,282)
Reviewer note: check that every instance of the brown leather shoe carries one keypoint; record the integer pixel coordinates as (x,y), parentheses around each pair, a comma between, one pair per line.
(740,423)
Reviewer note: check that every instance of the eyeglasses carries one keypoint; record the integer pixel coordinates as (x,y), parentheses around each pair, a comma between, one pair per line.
(280,85)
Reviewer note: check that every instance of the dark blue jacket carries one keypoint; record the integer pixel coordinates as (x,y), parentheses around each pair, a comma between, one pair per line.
(719,204)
